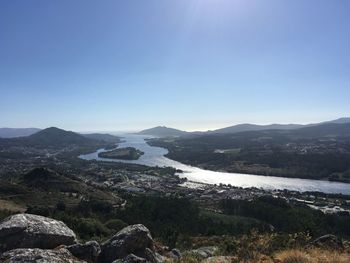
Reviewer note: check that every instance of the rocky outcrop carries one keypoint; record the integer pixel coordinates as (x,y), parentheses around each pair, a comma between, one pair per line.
(203,252)
(130,240)
(33,231)
(130,259)
(61,255)
(328,241)
(88,251)
(220,259)
(152,256)
(32,238)
(175,254)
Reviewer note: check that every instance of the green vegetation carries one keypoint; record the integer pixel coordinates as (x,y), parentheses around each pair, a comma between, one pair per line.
(288,218)
(176,221)
(128,153)
(43,187)
(275,153)
(262,228)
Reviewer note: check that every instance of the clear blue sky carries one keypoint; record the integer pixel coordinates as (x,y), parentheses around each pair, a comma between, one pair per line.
(191,64)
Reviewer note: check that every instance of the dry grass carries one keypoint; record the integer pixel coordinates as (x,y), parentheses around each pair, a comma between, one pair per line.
(293,256)
(268,248)
(286,256)
(312,256)
(11,206)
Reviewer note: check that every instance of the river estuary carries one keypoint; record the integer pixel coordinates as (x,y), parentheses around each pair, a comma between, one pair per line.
(154,156)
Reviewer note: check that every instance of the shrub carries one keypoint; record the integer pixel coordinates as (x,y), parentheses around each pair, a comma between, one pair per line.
(90,227)
(115,225)
(61,206)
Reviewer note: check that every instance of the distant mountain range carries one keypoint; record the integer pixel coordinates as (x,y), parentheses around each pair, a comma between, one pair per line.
(17,132)
(52,137)
(338,121)
(323,129)
(57,138)
(255,127)
(162,131)
(55,135)
(102,137)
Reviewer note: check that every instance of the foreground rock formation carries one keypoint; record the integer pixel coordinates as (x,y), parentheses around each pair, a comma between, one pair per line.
(130,240)
(32,238)
(32,231)
(38,255)
(89,251)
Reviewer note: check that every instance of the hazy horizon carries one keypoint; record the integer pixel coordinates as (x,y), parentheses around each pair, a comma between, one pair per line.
(114,131)
(187,64)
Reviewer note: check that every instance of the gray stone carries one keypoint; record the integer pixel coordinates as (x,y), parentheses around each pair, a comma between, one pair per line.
(130,259)
(220,259)
(33,231)
(36,255)
(204,252)
(153,257)
(88,251)
(329,241)
(175,254)
(130,240)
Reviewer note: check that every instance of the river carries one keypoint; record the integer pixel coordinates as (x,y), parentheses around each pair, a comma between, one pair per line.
(154,156)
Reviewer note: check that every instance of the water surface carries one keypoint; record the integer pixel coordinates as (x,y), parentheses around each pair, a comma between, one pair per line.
(154,156)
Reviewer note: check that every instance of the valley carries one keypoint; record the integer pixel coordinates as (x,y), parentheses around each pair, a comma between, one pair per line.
(318,152)
(98,197)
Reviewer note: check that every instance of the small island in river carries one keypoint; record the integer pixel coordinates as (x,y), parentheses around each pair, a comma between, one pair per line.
(128,153)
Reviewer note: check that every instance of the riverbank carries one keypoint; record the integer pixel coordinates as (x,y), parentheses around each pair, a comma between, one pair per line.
(315,159)
(176,210)
(154,156)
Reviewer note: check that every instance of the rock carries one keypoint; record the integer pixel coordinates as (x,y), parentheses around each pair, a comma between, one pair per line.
(153,257)
(33,231)
(175,254)
(120,178)
(130,259)
(220,259)
(29,255)
(329,241)
(159,258)
(204,252)
(130,240)
(88,251)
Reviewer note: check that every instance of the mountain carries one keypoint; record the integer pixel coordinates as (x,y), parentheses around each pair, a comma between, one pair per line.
(255,127)
(322,130)
(17,132)
(307,132)
(50,138)
(57,137)
(162,131)
(102,137)
(339,121)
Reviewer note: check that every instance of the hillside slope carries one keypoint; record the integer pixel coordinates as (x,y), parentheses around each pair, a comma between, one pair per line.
(17,132)
(50,138)
(162,131)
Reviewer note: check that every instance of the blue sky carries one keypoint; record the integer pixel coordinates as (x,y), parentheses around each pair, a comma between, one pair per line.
(192,64)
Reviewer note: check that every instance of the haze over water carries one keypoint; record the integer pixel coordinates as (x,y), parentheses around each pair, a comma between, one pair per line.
(154,156)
